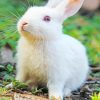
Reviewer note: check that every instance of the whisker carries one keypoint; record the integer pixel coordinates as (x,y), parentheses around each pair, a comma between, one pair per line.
(9,36)
(13,14)
(24,9)
(24,6)
(13,25)
(15,32)
(18,13)
(10,30)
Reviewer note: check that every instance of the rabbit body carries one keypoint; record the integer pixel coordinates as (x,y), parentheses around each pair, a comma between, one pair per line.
(48,57)
(60,63)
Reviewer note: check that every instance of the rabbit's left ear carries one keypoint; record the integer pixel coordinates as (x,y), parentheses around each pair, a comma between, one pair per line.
(68,8)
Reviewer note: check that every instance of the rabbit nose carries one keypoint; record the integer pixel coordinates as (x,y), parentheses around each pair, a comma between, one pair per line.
(24,24)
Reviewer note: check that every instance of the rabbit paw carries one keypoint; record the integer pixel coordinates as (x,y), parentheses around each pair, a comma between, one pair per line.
(54,98)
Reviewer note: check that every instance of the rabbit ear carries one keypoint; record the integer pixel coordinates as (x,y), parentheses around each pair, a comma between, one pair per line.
(68,8)
(53,3)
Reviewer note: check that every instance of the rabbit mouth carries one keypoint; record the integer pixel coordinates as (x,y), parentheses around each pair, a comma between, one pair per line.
(25,31)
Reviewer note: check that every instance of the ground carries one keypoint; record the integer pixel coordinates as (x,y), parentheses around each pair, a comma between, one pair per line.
(7,74)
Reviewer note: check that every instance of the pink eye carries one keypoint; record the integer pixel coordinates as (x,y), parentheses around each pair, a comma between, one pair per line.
(47,18)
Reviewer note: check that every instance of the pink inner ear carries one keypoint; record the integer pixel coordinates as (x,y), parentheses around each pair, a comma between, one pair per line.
(68,10)
(71,4)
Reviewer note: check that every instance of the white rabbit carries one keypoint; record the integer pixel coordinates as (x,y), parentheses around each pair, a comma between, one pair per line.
(45,55)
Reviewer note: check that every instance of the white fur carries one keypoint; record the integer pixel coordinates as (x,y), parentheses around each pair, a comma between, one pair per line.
(53,3)
(46,56)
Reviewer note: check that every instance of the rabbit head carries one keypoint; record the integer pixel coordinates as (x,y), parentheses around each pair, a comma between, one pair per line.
(46,21)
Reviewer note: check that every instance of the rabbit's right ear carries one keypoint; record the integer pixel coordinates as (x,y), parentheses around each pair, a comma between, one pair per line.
(53,3)
(68,8)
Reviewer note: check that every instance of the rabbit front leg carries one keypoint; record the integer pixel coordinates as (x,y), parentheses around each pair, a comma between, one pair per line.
(21,75)
(55,86)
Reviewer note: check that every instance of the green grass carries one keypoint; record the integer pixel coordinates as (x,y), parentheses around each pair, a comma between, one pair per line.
(95,96)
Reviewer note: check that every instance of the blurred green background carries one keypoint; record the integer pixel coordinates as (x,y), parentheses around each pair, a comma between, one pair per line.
(84,28)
